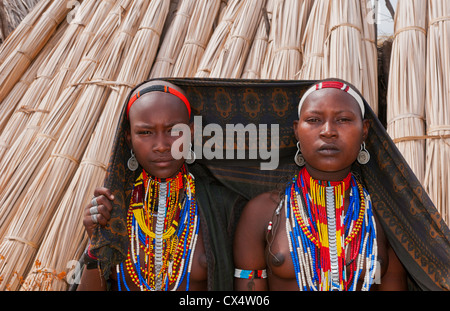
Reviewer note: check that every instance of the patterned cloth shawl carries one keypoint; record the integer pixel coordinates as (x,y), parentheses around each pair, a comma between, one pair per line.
(412,224)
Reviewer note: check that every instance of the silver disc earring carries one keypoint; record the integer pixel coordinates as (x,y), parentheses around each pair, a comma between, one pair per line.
(363,155)
(132,162)
(191,157)
(298,158)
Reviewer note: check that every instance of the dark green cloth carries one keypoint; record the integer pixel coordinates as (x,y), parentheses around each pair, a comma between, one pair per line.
(412,224)
(219,210)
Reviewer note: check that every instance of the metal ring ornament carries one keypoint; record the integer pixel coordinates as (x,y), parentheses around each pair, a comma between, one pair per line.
(94,218)
(94,201)
(93,210)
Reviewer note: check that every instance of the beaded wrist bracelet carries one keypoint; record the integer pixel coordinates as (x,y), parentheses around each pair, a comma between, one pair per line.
(249,274)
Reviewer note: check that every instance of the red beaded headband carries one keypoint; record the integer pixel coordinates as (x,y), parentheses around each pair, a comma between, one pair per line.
(159,88)
(335,85)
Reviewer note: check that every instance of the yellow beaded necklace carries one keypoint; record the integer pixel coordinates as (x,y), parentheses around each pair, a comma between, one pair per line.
(163,229)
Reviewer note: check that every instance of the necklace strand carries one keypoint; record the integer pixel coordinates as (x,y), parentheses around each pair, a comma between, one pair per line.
(168,249)
(321,234)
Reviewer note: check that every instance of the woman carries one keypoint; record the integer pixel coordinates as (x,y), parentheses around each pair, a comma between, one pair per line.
(321,232)
(154,226)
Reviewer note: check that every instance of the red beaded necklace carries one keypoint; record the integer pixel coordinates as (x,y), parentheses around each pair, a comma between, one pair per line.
(319,232)
(179,230)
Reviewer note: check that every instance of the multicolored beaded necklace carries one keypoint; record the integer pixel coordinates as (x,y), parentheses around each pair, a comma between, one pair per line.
(168,248)
(330,248)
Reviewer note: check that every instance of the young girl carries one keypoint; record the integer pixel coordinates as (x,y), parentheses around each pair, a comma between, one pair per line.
(156,225)
(321,233)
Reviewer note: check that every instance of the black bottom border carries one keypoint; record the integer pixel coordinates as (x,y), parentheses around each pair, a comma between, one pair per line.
(221,300)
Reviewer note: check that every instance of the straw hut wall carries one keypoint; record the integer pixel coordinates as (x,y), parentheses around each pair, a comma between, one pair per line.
(437,170)
(66,69)
(406,90)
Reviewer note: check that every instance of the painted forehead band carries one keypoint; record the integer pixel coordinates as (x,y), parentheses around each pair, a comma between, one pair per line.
(334,85)
(159,88)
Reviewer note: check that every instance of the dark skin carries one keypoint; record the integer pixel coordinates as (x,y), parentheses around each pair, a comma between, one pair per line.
(330,130)
(152,118)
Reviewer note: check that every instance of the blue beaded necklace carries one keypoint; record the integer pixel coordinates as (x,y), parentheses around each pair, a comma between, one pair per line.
(309,242)
(186,234)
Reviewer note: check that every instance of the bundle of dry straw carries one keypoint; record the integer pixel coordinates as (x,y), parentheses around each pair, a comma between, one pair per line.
(12,13)
(33,102)
(313,42)
(56,253)
(437,171)
(231,59)
(345,51)
(11,103)
(173,40)
(370,83)
(218,39)
(197,37)
(255,59)
(63,84)
(284,56)
(406,90)
(17,62)
(38,203)
(33,147)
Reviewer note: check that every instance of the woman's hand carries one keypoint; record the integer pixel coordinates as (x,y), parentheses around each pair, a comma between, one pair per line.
(98,211)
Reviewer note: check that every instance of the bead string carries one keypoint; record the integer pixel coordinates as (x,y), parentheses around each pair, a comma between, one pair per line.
(159,229)
(321,234)
(169,248)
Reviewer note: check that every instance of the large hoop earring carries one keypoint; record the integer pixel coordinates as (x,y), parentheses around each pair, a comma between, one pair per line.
(132,162)
(363,155)
(191,157)
(298,158)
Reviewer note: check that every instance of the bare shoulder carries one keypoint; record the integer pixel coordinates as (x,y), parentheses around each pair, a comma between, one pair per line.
(259,211)
(263,204)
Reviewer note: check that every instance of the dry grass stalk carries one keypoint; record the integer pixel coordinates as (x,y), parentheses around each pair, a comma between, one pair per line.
(16,12)
(288,25)
(62,240)
(18,61)
(173,9)
(21,161)
(406,90)
(84,71)
(31,102)
(218,39)
(370,84)
(22,31)
(437,107)
(345,55)
(10,104)
(38,204)
(339,41)
(255,59)
(313,43)
(197,36)
(231,60)
(270,43)
(173,40)
(3,24)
